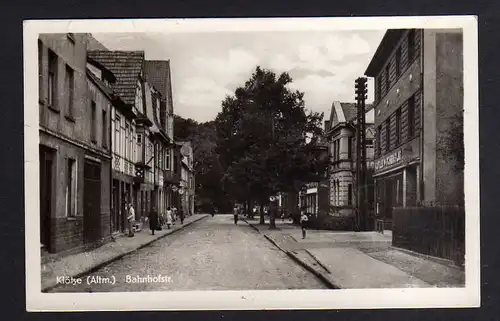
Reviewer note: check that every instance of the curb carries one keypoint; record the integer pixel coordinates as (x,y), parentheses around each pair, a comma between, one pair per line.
(295,258)
(448,263)
(121,255)
(317,260)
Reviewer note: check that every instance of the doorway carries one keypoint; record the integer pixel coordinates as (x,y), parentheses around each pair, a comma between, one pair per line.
(46,158)
(92,202)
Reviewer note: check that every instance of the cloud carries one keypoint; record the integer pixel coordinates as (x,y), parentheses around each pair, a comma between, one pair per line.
(323,65)
(228,67)
(199,97)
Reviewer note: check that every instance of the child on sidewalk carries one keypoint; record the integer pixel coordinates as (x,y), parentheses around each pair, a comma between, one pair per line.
(303,224)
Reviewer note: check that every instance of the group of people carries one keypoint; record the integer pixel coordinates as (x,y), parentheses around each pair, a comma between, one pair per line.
(156,222)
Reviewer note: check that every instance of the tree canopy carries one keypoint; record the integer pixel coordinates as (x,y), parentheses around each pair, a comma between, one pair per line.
(266,139)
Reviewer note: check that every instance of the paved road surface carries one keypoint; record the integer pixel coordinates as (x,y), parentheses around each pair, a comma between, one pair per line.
(212,254)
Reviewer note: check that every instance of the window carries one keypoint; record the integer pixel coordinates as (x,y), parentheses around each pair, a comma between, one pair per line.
(369,142)
(70,187)
(127,147)
(388,134)
(387,77)
(411,45)
(130,142)
(93,125)
(379,87)
(40,71)
(69,90)
(167,158)
(398,62)
(377,140)
(349,194)
(411,117)
(116,143)
(52,83)
(104,129)
(349,148)
(398,126)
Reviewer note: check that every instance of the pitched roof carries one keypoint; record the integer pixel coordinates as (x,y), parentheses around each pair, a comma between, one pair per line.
(126,66)
(384,49)
(350,111)
(157,73)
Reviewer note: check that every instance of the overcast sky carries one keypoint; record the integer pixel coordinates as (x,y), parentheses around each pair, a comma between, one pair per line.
(206,67)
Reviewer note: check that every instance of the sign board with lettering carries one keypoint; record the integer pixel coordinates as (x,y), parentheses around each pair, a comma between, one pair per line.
(390,160)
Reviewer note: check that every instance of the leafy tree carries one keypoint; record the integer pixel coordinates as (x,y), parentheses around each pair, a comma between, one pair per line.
(208,171)
(266,139)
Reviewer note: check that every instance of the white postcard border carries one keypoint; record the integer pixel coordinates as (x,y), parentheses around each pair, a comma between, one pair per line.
(469,296)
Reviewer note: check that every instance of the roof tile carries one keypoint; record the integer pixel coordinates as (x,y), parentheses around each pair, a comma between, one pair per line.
(126,66)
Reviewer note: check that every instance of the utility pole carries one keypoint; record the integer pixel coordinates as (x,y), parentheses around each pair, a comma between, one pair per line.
(361,215)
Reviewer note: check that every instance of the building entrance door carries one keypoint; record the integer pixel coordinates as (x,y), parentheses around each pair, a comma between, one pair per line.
(91,202)
(46,158)
(115,219)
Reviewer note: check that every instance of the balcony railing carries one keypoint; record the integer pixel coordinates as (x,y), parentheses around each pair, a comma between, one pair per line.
(123,165)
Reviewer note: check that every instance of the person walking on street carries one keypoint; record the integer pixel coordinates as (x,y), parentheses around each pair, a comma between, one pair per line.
(303,224)
(131,220)
(235,214)
(169,217)
(153,220)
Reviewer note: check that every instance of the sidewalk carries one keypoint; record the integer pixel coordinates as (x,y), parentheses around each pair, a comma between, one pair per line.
(350,260)
(85,262)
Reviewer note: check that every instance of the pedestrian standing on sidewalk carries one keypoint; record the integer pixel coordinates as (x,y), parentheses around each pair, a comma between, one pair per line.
(153,220)
(131,220)
(303,224)
(169,217)
(235,214)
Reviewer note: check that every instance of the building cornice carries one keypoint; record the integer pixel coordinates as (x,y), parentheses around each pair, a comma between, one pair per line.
(75,143)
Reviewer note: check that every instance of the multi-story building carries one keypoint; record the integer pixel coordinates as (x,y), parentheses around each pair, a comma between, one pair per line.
(418,91)
(133,179)
(340,131)
(158,75)
(187,191)
(75,153)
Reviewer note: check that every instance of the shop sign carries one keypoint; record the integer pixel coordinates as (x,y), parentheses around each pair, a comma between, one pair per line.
(389,160)
(312,185)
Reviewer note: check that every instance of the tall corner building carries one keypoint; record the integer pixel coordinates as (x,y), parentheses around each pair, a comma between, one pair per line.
(418,77)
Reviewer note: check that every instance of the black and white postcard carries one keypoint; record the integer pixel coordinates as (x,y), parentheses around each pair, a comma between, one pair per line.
(248,164)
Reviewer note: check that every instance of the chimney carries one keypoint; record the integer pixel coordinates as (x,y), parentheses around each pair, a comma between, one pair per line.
(327,125)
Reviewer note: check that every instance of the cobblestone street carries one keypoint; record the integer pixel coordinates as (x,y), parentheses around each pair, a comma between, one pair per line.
(212,254)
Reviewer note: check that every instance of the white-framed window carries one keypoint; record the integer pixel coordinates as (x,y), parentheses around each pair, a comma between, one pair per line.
(168,152)
(126,145)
